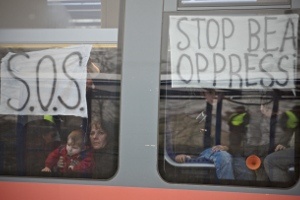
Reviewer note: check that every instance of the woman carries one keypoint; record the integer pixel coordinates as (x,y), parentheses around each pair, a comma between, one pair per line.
(103,140)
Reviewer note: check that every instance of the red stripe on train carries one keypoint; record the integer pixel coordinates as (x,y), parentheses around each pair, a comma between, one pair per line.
(45,191)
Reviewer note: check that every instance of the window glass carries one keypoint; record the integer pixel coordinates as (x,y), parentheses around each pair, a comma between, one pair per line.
(59,110)
(219,129)
(60,88)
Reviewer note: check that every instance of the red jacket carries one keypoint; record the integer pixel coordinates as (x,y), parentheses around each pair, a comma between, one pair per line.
(82,162)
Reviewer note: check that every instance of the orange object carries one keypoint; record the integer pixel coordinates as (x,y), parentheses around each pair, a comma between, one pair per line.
(253,162)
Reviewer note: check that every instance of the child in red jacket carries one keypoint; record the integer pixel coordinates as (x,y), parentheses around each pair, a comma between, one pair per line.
(72,157)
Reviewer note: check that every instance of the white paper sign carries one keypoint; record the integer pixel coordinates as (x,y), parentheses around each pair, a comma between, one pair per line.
(51,82)
(234,52)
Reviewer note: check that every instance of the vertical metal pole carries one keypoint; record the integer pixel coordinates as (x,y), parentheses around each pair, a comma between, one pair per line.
(219,120)
(21,145)
(207,135)
(273,120)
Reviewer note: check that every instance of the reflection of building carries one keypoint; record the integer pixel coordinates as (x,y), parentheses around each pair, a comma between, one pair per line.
(33,14)
(60,14)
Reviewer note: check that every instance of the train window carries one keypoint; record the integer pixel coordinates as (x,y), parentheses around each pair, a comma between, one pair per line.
(59,110)
(229,103)
(60,91)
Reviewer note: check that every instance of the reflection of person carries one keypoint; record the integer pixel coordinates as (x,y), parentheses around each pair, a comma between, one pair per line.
(238,123)
(105,151)
(238,126)
(277,163)
(72,157)
(41,138)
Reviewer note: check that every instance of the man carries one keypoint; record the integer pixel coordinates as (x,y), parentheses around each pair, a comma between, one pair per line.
(277,163)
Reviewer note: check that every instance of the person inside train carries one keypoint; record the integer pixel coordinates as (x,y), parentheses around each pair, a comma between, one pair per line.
(231,159)
(238,124)
(74,158)
(217,154)
(238,127)
(253,140)
(102,139)
(258,141)
(268,122)
(277,163)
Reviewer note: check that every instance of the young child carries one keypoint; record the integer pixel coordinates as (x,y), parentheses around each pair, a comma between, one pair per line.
(72,157)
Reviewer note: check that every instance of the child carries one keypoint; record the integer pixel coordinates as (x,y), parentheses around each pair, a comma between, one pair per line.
(72,157)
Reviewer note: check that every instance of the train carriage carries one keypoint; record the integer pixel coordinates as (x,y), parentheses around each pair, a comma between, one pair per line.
(169,80)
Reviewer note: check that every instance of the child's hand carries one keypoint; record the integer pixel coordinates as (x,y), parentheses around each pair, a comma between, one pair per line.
(46,169)
(73,164)
(60,163)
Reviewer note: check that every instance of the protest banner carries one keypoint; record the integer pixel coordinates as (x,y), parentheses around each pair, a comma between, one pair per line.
(46,82)
(234,52)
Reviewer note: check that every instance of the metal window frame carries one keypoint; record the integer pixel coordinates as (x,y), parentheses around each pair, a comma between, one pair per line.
(231,3)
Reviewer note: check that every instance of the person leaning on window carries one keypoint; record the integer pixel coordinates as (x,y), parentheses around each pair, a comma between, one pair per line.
(277,163)
(217,154)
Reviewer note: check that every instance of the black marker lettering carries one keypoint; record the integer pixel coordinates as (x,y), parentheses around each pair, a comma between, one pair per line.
(198,55)
(253,35)
(266,49)
(223,31)
(179,66)
(45,107)
(216,71)
(19,79)
(247,55)
(292,37)
(266,72)
(282,70)
(184,33)
(72,79)
(236,72)
(212,46)
(198,26)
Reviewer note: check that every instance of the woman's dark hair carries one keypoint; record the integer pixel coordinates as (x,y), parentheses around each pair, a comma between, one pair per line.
(110,128)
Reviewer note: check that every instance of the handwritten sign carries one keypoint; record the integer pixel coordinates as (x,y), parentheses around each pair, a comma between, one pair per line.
(234,52)
(51,82)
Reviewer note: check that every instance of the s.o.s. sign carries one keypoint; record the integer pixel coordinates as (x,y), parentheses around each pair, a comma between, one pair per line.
(51,82)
